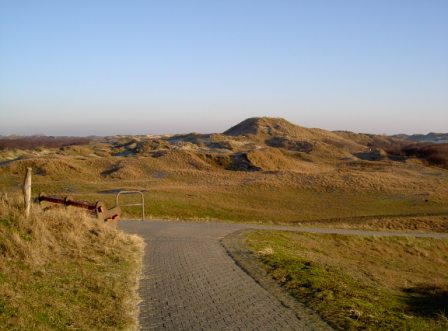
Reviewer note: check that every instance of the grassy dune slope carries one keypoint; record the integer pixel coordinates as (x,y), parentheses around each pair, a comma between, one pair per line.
(63,270)
(361,283)
(273,197)
(262,170)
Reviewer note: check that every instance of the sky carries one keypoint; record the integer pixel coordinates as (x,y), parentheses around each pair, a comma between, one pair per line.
(104,67)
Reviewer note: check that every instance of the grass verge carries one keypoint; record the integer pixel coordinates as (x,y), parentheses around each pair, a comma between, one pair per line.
(372,283)
(61,269)
(259,204)
(424,223)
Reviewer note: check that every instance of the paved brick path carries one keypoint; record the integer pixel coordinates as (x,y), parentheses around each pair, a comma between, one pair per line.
(190,283)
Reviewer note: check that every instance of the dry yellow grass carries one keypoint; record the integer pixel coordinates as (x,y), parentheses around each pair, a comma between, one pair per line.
(293,174)
(61,269)
(403,223)
(182,187)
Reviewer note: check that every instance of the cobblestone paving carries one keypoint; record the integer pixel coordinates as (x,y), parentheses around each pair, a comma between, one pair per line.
(190,283)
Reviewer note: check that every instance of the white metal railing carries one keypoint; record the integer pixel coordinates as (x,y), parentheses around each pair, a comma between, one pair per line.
(142,203)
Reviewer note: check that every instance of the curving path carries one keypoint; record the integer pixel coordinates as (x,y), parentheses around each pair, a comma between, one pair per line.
(189,281)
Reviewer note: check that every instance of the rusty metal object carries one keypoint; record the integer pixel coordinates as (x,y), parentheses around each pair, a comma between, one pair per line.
(98,209)
(106,215)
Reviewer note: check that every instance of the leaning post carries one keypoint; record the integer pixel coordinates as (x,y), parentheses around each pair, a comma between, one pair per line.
(27,191)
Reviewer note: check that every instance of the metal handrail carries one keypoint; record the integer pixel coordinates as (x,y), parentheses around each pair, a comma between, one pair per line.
(132,204)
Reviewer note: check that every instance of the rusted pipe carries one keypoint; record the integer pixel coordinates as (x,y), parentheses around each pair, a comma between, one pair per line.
(99,209)
(67,202)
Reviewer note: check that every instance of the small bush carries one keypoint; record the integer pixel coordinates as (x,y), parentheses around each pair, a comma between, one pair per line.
(433,154)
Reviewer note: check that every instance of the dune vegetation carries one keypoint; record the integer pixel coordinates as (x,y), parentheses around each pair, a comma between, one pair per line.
(61,269)
(262,170)
(357,282)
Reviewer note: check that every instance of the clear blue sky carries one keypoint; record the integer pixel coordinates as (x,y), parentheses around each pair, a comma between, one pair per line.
(75,67)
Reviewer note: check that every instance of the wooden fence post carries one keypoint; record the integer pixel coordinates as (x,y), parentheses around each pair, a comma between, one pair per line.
(27,191)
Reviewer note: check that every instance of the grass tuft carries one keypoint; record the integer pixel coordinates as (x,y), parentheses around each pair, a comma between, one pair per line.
(61,269)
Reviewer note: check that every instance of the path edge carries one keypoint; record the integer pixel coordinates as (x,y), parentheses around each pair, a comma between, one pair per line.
(234,244)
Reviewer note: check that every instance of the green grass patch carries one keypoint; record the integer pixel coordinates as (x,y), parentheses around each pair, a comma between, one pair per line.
(252,203)
(372,283)
(278,205)
(261,197)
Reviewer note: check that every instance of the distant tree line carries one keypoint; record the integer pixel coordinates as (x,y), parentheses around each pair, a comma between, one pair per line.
(33,142)
(433,153)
